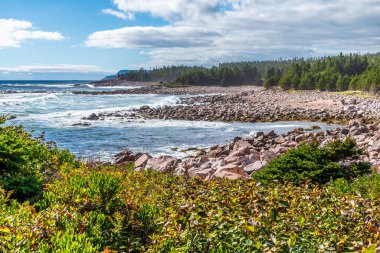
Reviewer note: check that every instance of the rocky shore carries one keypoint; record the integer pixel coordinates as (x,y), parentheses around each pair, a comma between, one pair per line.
(242,157)
(254,104)
(262,107)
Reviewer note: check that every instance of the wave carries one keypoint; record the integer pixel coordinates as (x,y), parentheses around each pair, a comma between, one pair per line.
(17,99)
(38,85)
(61,86)
(62,113)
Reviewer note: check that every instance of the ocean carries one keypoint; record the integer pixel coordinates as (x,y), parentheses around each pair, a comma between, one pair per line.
(50,107)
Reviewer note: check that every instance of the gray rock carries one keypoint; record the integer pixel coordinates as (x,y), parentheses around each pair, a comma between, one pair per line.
(93,117)
(258,165)
(144,108)
(299,138)
(345,131)
(376,146)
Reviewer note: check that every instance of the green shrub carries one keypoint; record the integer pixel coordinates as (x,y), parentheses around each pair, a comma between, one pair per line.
(23,188)
(27,163)
(367,186)
(309,162)
(68,242)
(97,208)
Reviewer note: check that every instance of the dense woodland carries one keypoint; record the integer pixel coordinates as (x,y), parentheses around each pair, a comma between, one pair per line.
(332,73)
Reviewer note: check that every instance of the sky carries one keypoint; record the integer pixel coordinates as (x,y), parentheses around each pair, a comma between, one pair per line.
(89,39)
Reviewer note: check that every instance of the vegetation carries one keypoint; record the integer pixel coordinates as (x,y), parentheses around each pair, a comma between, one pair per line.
(26,164)
(309,162)
(333,73)
(99,208)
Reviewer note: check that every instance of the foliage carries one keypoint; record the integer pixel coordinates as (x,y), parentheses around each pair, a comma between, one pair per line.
(99,208)
(26,163)
(332,73)
(309,162)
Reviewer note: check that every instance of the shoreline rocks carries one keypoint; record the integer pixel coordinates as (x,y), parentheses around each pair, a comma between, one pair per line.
(242,157)
(258,105)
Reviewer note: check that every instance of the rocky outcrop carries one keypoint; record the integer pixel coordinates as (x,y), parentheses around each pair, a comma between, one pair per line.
(242,157)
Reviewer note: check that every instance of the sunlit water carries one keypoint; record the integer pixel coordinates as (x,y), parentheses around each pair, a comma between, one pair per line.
(56,110)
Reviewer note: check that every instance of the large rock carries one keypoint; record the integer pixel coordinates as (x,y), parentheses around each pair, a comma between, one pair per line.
(376,146)
(241,151)
(164,164)
(267,156)
(218,152)
(142,161)
(258,165)
(126,156)
(144,108)
(299,138)
(242,144)
(203,174)
(93,117)
(233,169)
(229,175)
(345,131)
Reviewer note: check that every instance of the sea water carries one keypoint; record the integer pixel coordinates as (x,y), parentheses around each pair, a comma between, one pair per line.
(50,107)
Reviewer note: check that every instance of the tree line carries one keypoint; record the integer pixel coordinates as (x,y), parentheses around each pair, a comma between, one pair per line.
(332,73)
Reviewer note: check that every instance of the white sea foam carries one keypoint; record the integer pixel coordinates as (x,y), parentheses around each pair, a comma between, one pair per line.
(17,99)
(67,109)
(64,86)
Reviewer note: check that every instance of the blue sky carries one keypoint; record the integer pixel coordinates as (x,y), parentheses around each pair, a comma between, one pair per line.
(87,39)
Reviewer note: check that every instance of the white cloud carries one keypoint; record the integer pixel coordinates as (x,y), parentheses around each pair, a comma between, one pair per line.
(60,68)
(152,37)
(211,31)
(13,32)
(173,9)
(119,14)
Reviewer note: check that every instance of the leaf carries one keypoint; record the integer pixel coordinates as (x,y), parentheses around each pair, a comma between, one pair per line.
(251,228)
(5,230)
(273,215)
(370,249)
(283,203)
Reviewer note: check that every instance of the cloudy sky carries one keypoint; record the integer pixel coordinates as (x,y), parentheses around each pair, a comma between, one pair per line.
(87,39)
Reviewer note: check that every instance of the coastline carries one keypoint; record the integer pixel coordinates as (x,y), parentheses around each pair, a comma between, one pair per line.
(358,116)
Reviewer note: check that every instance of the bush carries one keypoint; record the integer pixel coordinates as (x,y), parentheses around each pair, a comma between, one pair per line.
(27,163)
(97,208)
(309,162)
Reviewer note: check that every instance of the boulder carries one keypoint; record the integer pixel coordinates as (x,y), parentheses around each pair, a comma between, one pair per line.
(233,169)
(242,151)
(280,140)
(126,156)
(376,146)
(267,156)
(345,131)
(162,164)
(229,175)
(242,144)
(142,161)
(258,134)
(218,164)
(205,166)
(93,117)
(254,156)
(254,167)
(299,138)
(144,108)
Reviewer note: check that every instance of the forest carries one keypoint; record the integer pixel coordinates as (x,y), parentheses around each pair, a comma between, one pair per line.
(331,73)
